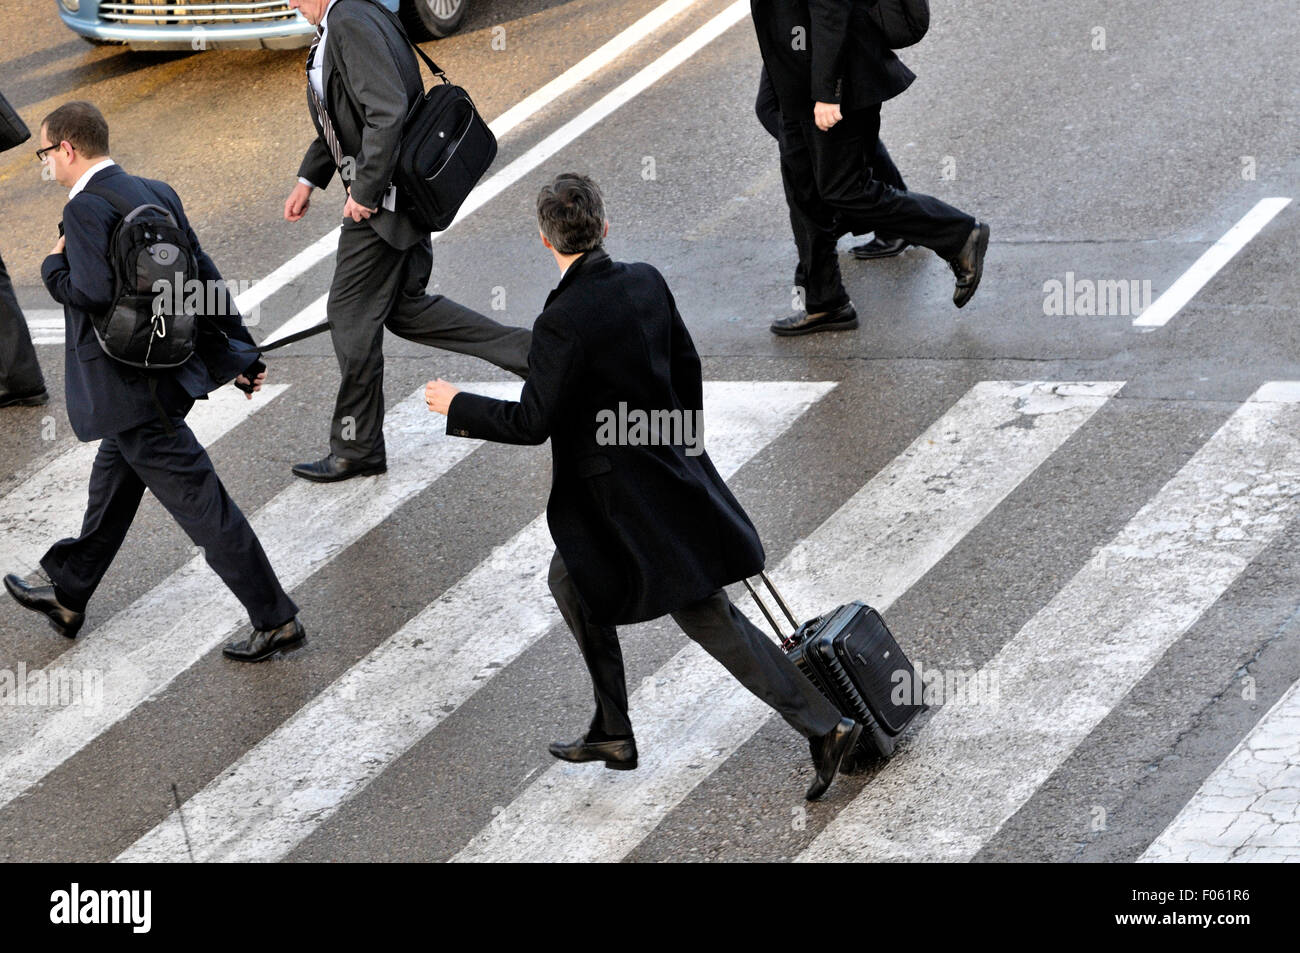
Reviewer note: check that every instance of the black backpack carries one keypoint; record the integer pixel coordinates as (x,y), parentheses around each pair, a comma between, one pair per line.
(902,22)
(150,323)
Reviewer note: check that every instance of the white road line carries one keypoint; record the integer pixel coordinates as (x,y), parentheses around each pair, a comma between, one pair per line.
(974,765)
(548,147)
(1249,808)
(513,117)
(1208,265)
(295,779)
(691,716)
(141,649)
(48,505)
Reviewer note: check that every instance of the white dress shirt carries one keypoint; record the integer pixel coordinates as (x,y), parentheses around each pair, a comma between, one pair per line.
(86,176)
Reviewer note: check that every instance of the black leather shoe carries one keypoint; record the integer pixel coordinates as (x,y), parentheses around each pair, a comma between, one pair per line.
(841,319)
(39,399)
(264,643)
(31,594)
(618,755)
(828,752)
(880,248)
(333,469)
(968,266)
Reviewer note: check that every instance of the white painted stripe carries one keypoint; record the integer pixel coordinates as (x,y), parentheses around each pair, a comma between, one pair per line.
(1249,808)
(571,130)
(141,649)
(513,117)
(48,505)
(43,319)
(1208,265)
(974,765)
(295,779)
(691,716)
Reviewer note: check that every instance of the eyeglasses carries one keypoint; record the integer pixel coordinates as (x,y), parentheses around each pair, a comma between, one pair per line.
(42,153)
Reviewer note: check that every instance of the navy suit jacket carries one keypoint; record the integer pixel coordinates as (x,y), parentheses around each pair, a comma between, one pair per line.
(105,396)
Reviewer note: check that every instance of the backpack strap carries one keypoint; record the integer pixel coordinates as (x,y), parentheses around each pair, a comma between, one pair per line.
(116,199)
(124,206)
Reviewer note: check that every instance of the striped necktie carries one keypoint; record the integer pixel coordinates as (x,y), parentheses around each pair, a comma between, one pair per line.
(327,126)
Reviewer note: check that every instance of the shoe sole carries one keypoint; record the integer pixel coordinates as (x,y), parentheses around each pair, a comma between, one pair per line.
(369,471)
(828,326)
(283,648)
(877,257)
(609,765)
(981,246)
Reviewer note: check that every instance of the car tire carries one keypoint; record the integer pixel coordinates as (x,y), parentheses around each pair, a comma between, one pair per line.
(433,19)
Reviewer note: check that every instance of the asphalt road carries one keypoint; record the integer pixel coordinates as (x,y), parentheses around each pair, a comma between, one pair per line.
(1118,164)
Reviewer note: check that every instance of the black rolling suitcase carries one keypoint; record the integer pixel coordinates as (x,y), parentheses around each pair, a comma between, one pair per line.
(852,658)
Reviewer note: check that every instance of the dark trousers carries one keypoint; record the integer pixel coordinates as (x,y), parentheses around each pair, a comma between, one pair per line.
(20,374)
(831,187)
(880,163)
(177,470)
(721,630)
(377,286)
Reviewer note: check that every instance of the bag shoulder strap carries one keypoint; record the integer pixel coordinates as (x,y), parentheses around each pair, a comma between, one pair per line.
(397,22)
(116,199)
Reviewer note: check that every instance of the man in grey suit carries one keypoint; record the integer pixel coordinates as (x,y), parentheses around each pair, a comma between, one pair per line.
(362,78)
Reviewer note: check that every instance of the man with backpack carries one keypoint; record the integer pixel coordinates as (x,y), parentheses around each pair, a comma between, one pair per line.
(136,409)
(832,67)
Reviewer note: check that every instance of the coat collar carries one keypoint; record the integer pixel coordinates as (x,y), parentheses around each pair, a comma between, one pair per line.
(593,261)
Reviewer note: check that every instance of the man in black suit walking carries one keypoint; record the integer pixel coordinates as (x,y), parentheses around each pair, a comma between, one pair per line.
(880,165)
(644,528)
(139,416)
(361,79)
(831,69)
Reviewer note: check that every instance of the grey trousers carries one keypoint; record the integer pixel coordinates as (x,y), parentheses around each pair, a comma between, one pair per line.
(377,286)
(20,374)
(721,630)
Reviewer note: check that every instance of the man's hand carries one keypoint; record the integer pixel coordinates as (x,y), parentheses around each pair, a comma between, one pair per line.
(438,395)
(296,205)
(256,383)
(826,115)
(355,211)
(59,246)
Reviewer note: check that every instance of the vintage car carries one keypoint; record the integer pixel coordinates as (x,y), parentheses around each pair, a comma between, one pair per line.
(273,24)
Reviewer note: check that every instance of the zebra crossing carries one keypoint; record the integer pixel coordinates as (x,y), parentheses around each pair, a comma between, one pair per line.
(963,772)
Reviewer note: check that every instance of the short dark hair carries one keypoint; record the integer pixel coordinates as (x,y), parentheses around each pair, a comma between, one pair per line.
(571,213)
(81,124)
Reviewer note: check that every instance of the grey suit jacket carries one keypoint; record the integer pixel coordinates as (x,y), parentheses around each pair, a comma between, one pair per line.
(371,79)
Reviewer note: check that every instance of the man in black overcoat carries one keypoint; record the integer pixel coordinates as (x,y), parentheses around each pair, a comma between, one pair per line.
(643,524)
(831,69)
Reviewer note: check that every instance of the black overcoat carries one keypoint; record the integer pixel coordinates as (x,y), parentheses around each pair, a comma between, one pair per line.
(643,529)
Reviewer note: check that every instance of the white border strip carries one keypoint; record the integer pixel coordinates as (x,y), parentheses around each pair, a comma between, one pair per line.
(1208,265)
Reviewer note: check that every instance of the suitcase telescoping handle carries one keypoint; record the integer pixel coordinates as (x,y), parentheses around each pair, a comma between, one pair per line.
(787,641)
